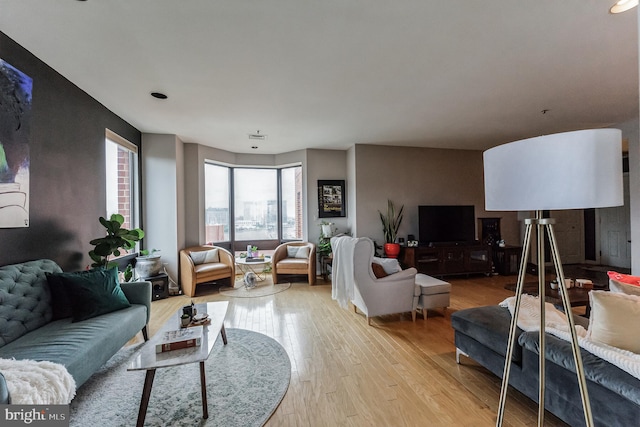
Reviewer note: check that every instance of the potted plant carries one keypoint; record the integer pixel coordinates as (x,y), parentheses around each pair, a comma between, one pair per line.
(324,242)
(117,239)
(390,225)
(252,251)
(326,229)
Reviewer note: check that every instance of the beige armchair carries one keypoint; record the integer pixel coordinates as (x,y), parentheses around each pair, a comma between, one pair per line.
(201,264)
(294,258)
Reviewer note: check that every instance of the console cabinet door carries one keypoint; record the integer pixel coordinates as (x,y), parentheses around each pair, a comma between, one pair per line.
(453,260)
(428,261)
(479,259)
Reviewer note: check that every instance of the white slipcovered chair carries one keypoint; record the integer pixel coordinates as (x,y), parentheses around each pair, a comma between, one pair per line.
(395,293)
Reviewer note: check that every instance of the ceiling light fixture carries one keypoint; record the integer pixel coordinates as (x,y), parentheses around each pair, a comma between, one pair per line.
(623,6)
(257,135)
(159,95)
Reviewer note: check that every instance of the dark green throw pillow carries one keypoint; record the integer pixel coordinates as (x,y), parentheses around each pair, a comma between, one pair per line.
(93,292)
(60,302)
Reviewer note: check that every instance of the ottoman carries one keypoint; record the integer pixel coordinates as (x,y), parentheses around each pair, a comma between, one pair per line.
(433,293)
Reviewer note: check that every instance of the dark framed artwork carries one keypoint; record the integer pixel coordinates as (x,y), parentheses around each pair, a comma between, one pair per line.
(331,199)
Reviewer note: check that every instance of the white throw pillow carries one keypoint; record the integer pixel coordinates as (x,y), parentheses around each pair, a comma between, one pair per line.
(205,257)
(623,288)
(303,252)
(292,251)
(390,265)
(613,320)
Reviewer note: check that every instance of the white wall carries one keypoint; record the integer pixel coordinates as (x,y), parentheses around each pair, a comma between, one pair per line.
(163,203)
(325,165)
(634,177)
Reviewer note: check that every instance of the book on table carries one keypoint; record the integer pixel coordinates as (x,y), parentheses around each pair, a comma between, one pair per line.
(180,338)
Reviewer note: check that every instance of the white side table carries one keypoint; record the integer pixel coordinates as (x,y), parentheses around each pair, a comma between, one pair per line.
(259,268)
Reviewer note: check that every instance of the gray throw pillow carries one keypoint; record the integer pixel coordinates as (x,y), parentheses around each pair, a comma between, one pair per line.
(205,257)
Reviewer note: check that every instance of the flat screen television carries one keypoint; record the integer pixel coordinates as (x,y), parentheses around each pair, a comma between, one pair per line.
(446,224)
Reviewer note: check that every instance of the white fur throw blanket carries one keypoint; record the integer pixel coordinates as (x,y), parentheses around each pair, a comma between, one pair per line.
(556,324)
(38,383)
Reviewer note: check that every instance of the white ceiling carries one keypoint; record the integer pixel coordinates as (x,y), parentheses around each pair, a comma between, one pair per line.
(333,73)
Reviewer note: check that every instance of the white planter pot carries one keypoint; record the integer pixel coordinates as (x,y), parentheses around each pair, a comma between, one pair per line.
(148,266)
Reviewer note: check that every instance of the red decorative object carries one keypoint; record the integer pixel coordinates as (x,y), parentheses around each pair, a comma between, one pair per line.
(392,250)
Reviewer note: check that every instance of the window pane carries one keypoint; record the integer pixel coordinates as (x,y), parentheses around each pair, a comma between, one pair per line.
(292,203)
(255,204)
(121,182)
(217,203)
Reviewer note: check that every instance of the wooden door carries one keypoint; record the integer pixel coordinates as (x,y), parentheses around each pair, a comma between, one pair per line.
(569,233)
(615,232)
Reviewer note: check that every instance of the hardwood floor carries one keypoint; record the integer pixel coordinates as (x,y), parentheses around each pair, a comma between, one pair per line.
(393,373)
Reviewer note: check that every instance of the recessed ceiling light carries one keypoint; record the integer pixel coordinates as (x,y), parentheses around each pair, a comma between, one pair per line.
(623,6)
(159,95)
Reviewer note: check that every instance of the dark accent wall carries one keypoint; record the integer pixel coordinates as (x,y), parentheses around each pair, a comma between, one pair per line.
(67,173)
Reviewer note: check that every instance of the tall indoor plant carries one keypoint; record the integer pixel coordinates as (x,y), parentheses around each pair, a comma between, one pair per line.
(390,225)
(118,238)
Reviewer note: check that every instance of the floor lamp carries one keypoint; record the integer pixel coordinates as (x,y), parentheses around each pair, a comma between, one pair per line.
(571,170)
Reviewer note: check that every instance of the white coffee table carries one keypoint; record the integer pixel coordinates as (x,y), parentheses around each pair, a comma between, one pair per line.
(259,268)
(147,358)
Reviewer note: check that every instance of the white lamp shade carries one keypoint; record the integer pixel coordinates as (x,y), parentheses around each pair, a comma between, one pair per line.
(570,170)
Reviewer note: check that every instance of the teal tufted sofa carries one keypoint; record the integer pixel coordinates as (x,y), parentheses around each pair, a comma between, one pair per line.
(28,331)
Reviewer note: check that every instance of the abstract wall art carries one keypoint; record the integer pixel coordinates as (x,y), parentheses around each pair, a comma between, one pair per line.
(15,121)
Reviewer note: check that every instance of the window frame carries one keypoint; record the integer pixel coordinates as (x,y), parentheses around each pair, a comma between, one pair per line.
(241,245)
(134,176)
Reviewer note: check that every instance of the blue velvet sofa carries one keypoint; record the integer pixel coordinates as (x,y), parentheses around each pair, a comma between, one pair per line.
(33,325)
(481,333)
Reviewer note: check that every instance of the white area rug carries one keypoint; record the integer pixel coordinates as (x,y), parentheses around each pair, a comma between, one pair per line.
(246,381)
(262,289)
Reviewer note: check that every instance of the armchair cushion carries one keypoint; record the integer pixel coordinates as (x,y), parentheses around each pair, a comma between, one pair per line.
(205,257)
(390,265)
(298,252)
(303,252)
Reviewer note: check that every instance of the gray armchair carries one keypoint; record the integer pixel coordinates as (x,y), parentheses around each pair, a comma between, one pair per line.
(394,293)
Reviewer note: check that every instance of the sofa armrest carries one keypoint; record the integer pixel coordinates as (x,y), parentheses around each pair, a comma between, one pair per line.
(138,293)
(5,398)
